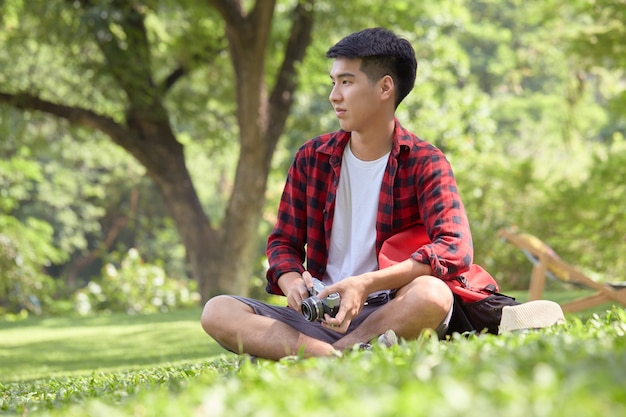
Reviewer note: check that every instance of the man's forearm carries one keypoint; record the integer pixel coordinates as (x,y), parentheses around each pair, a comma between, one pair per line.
(395,276)
(286,279)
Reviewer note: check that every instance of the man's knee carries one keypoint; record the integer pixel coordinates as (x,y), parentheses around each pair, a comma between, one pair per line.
(428,292)
(218,313)
(439,293)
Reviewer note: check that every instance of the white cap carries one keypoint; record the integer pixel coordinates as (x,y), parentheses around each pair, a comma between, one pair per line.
(531,315)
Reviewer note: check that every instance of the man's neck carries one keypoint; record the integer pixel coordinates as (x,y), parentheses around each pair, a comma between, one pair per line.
(374,143)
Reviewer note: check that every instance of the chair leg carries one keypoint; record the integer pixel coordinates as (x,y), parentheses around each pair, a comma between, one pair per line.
(585,302)
(538,279)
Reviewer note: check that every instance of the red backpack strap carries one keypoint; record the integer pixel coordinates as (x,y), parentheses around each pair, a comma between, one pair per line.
(402,245)
(474,285)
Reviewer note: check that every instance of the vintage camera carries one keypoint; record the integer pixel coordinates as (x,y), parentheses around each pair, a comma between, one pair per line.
(314,309)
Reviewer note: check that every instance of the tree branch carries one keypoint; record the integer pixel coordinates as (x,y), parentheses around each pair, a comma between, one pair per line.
(174,76)
(282,98)
(127,55)
(231,11)
(77,116)
(196,60)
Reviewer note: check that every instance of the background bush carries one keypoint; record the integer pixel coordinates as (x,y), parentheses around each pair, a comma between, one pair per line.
(135,287)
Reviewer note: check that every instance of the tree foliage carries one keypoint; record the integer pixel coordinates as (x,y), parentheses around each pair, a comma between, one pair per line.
(156,125)
(119,49)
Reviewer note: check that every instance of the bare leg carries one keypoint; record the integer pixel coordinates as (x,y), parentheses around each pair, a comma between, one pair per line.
(235,325)
(421,304)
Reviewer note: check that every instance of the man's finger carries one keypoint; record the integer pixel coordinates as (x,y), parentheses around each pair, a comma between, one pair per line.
(335,324)
(337,320)
(326,291)
(308,279)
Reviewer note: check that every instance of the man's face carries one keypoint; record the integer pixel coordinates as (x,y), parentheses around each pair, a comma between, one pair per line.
(356,100)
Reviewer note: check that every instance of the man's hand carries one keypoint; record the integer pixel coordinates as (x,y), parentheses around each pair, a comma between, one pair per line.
(295,287)
(353,295)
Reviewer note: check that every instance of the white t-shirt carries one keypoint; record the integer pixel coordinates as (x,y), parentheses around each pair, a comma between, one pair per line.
(353,239)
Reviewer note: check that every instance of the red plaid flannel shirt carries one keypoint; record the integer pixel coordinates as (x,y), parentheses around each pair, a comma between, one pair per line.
(418,188)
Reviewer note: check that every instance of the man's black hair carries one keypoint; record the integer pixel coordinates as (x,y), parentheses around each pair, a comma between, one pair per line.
(383,53)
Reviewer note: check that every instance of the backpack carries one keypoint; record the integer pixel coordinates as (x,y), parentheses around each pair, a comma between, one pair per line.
(478,302)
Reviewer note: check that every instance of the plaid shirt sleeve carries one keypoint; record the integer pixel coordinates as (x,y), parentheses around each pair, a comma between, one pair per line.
(285,245)
(440,209)
(299,231)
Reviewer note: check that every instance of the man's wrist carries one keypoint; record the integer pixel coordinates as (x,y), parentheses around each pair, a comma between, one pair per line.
(286,279)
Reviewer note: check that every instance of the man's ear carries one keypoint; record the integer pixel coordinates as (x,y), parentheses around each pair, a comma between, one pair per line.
(387,87)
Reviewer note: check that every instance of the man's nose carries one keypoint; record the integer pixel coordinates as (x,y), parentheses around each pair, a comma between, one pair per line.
(334,94)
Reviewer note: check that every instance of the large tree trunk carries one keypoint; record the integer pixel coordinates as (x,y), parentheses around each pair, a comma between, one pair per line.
(221,259)
(261,122)
(181,200)
(150,140)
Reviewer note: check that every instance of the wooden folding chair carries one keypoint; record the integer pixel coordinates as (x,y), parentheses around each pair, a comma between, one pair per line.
(547,263)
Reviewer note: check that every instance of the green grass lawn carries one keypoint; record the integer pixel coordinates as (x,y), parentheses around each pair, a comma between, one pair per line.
(164,365)
(36,348)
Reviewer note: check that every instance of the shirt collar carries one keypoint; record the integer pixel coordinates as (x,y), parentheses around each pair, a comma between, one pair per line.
(402,141)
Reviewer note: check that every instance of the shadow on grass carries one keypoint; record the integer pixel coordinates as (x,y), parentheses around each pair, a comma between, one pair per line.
(65,346)
(102,319)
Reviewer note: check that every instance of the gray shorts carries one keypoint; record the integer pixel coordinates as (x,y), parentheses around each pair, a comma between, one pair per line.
(314,329)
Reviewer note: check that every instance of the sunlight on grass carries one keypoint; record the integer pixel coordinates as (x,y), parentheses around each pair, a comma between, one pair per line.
(37,348)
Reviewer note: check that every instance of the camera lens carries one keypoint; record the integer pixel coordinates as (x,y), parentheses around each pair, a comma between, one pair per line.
(312,309)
